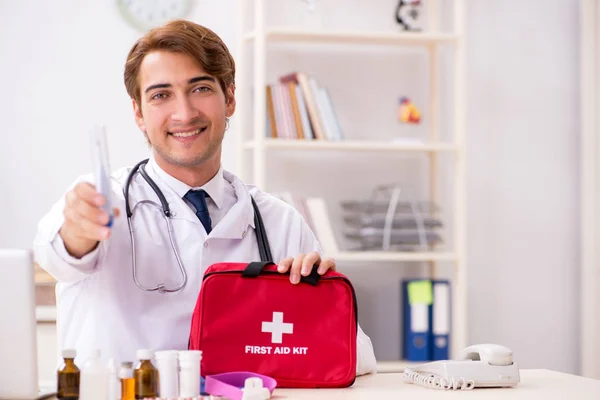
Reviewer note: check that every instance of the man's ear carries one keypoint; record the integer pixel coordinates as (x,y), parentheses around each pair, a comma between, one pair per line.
(139,119)
(230,100)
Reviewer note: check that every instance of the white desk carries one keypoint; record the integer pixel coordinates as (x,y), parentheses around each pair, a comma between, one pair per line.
(535,384)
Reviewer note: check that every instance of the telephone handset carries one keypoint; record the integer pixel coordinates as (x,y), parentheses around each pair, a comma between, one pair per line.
(482,365)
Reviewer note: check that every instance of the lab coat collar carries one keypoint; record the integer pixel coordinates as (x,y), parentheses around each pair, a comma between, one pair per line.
(233,225)
(240,216)
(215,187)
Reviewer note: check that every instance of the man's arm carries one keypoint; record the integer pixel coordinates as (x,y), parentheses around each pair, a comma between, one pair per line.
(365,355)
(69,237)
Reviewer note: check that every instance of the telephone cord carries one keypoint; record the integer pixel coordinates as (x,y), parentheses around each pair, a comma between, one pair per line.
(434,382)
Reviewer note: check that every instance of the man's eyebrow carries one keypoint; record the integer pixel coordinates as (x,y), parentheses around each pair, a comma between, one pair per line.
(202,78)
(157,86)
(191,81)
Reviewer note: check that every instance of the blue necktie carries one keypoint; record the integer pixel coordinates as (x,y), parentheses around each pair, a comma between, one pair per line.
(198,200)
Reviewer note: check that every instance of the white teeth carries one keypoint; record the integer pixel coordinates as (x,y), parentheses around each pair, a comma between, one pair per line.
(186,134)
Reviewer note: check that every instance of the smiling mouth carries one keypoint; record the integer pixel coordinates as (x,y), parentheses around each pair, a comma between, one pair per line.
(188,134)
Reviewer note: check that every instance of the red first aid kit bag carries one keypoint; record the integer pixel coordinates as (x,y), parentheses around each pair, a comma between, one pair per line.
(249,317)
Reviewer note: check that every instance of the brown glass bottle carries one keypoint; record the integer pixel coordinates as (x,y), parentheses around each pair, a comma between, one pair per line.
(68,377)
(146,376)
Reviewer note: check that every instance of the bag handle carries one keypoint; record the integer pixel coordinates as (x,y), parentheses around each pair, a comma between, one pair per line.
(253,269)
(266,258)
(263,242)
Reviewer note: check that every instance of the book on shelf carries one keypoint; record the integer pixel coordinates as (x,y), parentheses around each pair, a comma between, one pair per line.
(298,107)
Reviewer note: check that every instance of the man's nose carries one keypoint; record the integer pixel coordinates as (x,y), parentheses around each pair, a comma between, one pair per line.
(185,111)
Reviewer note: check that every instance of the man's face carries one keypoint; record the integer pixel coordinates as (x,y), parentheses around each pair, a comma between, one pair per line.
(182,109)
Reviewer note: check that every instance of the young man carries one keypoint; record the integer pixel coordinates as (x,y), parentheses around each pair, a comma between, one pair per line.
(118,297)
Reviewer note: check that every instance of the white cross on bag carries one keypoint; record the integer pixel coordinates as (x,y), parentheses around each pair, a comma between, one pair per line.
(277,327)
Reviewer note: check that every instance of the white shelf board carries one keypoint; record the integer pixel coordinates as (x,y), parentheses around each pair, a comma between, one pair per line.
(45,313)
(392,256)
(384,367)
(297,144)
(354,37)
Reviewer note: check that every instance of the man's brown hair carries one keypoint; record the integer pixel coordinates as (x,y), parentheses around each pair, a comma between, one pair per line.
(185,37)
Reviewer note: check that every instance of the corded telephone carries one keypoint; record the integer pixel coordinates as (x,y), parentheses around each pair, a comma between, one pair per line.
(482,365)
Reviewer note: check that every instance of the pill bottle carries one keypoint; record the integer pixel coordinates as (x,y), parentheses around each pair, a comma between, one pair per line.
(146,376)
(94,379)
(114,385)
(168,382)
(189,373)
(67,377)
(127,381)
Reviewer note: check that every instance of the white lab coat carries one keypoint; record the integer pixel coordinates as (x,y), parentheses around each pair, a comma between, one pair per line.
(99,305)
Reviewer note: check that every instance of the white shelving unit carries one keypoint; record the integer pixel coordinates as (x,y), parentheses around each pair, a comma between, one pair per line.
(260,36)
(295,35)
(347,145)
(590,191)
(397,256)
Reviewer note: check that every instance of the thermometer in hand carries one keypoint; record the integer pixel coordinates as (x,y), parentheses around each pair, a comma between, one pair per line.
(102,168)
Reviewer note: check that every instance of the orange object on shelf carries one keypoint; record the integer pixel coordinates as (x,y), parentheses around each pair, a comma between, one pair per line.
(408,112)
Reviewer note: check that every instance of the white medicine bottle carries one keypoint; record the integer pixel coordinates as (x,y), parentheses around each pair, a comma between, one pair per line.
(94,379)
(168,373)
(189,373)
(114,385)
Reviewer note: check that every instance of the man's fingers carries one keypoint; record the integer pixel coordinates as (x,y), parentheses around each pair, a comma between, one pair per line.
(308,262)
(285,265)
(93,231)
(87,192)
(91,212)
(302,265)
(296,267)
(93,224)
(85,221)
(326,265)
(85,228)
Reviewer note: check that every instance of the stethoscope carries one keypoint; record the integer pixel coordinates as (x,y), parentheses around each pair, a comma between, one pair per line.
(263,243)
(167,215)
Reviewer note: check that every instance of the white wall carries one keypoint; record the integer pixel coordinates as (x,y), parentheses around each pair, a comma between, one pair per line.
(62,66)
(522,132)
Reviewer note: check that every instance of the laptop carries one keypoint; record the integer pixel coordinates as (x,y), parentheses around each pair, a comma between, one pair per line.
(18,334)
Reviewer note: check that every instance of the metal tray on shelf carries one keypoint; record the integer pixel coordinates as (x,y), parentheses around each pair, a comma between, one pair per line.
(406,238)
(382,206)
(398,222)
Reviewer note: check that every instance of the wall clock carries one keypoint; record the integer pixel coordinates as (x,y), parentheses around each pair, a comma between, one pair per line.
(144,15)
